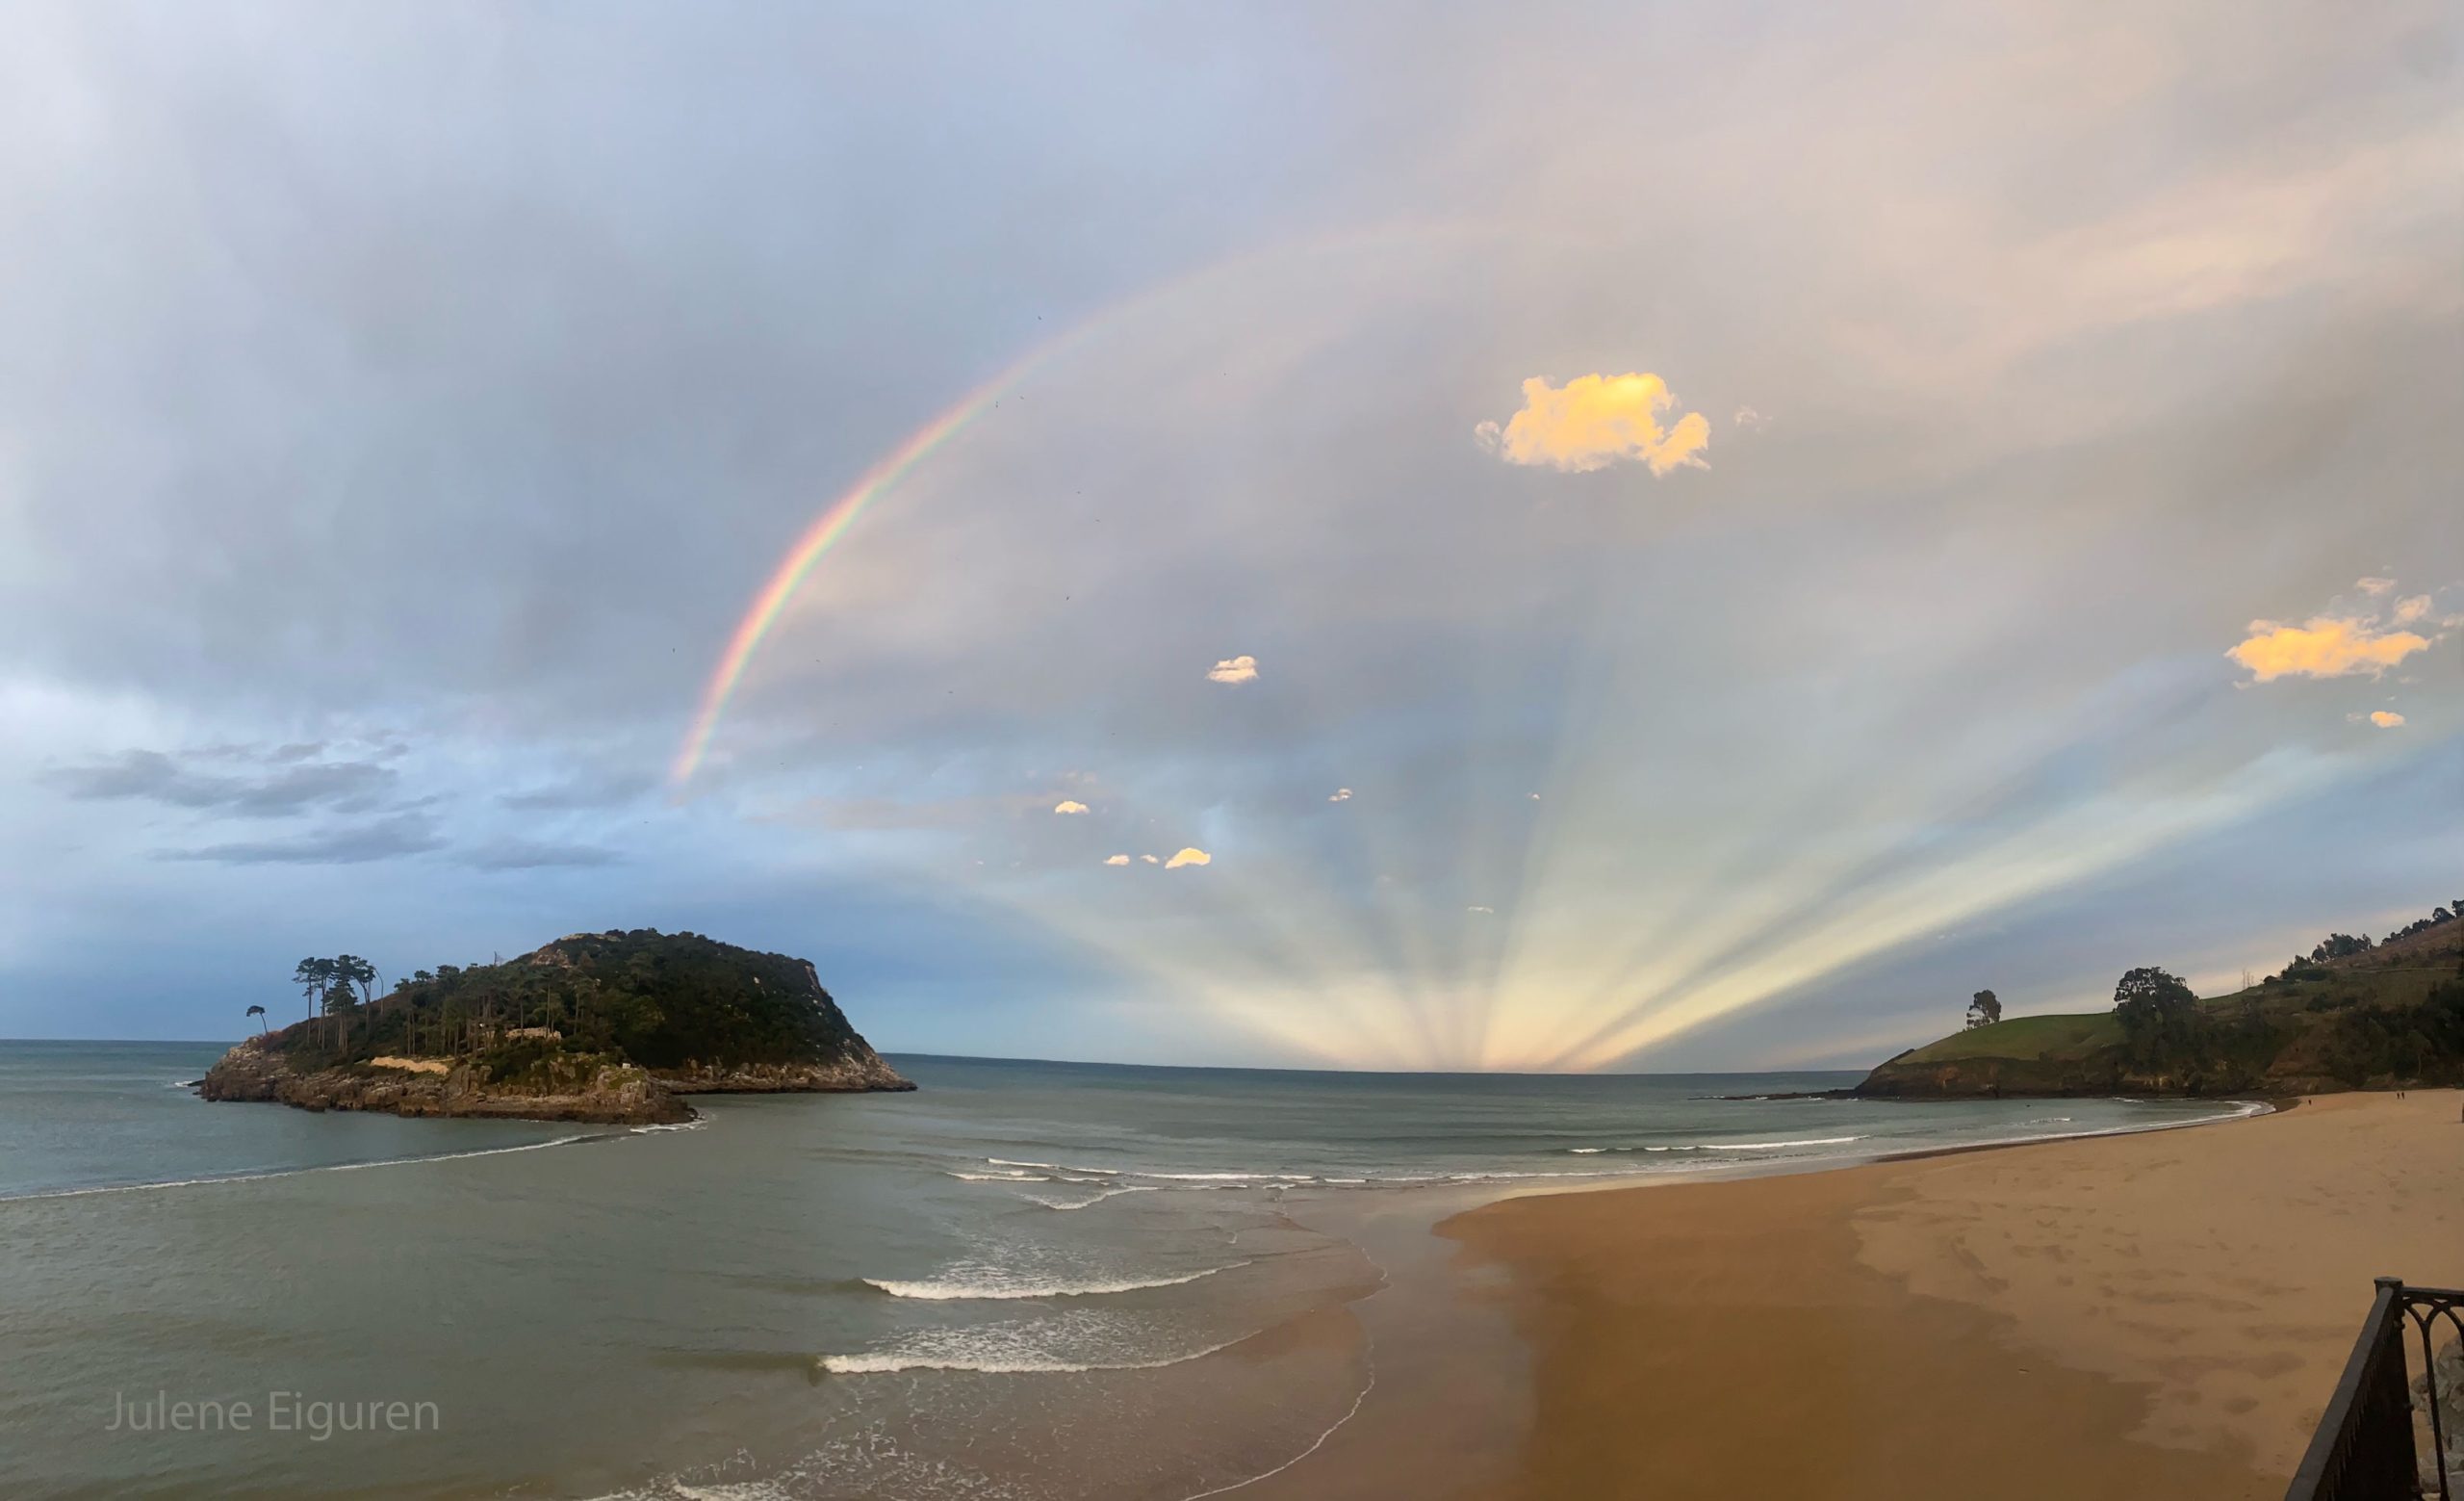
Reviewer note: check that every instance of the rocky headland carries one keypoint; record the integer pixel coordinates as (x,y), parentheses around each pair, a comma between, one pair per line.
(599,1028)
(2353,1013)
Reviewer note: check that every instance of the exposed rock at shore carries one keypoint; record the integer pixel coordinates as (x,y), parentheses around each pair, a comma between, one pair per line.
(594,1090)
(861,1069)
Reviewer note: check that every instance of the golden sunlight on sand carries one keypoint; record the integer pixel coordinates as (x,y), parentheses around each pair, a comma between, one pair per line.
(2155,1314)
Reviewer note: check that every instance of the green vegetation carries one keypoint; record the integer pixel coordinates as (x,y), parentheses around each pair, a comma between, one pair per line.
(659,1000)
(2028,1037)
(2160,1018)
(2351,1014)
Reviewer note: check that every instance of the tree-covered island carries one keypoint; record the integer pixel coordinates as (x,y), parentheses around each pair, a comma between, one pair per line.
(595,1026)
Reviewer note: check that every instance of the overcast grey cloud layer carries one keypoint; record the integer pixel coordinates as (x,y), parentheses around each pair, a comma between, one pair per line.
(401,407)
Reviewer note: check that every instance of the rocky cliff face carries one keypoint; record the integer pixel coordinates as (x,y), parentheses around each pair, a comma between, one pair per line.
(2042,1079)
(600,1093)
(1987,1079)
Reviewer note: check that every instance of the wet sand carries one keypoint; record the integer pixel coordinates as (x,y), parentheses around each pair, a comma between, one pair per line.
(2159,1314)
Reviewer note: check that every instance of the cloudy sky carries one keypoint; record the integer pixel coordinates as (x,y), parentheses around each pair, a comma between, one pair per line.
(1603,536)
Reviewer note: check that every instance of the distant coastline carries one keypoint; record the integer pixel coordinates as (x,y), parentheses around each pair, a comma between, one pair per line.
(2354,1013)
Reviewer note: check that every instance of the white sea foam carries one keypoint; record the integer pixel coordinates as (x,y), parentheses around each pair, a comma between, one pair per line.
(694,1125)
(984,1283)
(1065,1169)
(1232,1177)
(1775,1146)
(1096,1198)
(1088,1340)
(1722,1145)
(989,1365)
(1503,1175)
(1062,1172)
(1000,1177)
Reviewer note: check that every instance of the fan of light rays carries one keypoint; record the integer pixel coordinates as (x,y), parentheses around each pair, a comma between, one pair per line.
(1541,863)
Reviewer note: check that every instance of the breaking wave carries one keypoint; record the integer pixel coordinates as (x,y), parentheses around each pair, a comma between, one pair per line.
(981,1283)
(1081,1341)
(1724,1146)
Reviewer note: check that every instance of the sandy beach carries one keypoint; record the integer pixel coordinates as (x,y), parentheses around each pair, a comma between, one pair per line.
(2153,1314)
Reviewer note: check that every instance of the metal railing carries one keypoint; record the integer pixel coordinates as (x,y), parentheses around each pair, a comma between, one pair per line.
(2367,1447)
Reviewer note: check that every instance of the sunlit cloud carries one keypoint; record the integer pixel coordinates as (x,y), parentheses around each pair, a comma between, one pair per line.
(1340,794)
(2374,585)
(1149,859)
(2385,718)
(1233,669)
(2325,646)
(1593,421)
(1068,805)
(1189,856)
(2410,609)
(1115,860)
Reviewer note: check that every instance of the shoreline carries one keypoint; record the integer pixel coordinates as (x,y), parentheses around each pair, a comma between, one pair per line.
(2164,1309)
(1449,1306)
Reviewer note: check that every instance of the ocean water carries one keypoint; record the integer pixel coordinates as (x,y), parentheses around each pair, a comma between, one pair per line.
(1024,1281)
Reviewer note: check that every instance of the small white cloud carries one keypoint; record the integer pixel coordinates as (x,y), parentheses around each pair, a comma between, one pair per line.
(1149,859)
(1233,669)
(2374,585)
(1481,909)
(1748,417)
(1067,805)
(1115,860)
(1535,797)
(1340,794)
(2412,609)
(1190,856)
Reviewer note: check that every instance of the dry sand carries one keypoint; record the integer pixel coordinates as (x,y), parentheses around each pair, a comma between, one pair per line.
(2159,1314)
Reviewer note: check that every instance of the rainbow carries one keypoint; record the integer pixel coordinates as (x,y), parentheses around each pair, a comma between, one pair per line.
(841,513)
(820,537)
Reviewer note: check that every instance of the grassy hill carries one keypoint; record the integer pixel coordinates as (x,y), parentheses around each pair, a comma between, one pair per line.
(2344,1016)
